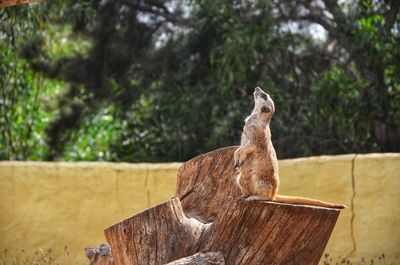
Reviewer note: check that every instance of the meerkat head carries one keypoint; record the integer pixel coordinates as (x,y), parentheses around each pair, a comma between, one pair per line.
(263,104)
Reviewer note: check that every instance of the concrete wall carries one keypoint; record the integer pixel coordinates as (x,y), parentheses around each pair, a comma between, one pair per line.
(53,205)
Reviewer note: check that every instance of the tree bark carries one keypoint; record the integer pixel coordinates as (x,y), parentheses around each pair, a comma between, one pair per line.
(208,216)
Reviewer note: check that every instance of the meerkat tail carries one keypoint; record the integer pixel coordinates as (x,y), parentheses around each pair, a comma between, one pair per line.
(307,201)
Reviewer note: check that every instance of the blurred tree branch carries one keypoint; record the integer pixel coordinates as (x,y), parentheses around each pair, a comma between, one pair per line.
(391,15)
(159,9)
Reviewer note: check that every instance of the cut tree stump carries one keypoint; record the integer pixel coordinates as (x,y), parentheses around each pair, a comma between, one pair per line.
(205,182)
(207,216)
(156,236)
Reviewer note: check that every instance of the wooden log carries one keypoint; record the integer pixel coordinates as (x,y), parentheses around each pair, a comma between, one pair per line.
(7,3)
(263,232)
(245,232)
(204,183)
(156,236)
(213,218)
(209,258)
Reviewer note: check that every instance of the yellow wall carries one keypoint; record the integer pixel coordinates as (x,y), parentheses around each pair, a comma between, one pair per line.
(53,205)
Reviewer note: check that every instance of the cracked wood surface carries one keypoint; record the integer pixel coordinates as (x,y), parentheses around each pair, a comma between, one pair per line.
(156,236)
(245,232)
(262,232)
(204,182)
(209,258)
(208,215)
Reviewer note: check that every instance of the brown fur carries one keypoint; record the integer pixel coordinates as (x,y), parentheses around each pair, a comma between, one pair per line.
(256,158)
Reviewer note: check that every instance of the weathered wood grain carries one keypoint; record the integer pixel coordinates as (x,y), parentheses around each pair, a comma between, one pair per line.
(156,236)
(245,232)
(261,232)
(209,258)
(208,216)
(204,182)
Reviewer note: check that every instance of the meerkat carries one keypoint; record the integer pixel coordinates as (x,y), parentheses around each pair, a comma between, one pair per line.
(256,159)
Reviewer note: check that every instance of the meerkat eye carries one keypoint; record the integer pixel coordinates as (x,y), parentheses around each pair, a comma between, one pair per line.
(265,109)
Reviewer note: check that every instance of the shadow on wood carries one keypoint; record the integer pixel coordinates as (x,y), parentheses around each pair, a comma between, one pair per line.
(208,216)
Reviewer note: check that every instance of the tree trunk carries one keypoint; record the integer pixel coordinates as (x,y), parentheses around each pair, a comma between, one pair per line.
(209,216)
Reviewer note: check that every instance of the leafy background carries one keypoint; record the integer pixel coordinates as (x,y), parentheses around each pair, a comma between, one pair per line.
(150,80)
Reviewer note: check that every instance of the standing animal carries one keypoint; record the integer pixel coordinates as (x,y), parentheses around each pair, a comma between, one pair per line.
(256,159)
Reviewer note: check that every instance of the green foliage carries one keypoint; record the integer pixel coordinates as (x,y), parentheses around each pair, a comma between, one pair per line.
(23,120)
(335,116)
(93,140)
(165,81)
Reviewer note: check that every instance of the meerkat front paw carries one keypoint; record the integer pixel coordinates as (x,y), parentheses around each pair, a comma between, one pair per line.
(238,163)
(236,158)
(244,197)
